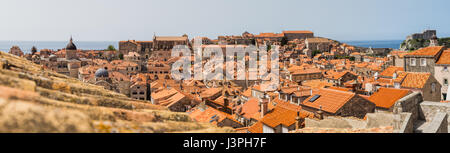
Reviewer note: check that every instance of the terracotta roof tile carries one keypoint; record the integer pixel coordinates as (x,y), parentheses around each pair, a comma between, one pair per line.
(317,40)
(270,35)
(250,108)
(247,93)
(307,71)
(317,83)
(337,75)
(206,115)
(386,97)
(415,80)
(400,76)
(256,128)
(304,31)
(445,57)
(391,70)
(210,92)
(385,82)
(162,94)
(283,116)
(340,88)
(286,105)
(427,51)
(331,100)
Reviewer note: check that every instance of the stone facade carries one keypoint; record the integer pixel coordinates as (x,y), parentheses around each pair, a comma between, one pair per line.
(426,34)
(419,64)
(442,75)
(139,91)
(398,61)
(128,46)
(15,50)
(355,107)
(291,35)
(160,48)
(430,110)
(432,92)
(299,77)
(321,44)
(245,39)
(71,54)
(409,104)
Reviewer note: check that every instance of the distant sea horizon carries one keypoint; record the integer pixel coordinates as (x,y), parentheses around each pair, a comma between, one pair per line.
(26,46)
(394,44)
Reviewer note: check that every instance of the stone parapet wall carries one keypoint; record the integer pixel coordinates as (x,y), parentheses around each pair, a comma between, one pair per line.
(430,109)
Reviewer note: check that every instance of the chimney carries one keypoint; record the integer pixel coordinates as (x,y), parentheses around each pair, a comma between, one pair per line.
(320,113)
(226,101)
(264,105)
(297,121)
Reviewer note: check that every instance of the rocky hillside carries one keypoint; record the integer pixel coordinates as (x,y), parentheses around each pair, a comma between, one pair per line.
(36,100)
(414,44)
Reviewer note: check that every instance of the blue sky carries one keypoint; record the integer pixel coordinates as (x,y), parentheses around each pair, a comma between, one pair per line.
(112,20)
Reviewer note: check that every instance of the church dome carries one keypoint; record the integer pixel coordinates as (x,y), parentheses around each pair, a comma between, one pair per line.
(70,45)
(101,73)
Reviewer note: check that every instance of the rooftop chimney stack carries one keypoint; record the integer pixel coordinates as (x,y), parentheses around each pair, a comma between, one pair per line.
(226,101)
(320,113)
(298,121)
(264,105)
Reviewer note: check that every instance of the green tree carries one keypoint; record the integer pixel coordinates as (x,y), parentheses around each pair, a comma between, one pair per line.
(284,41)
(444,41)
(111,48)
(121,56)
(352,58)
(315,52)
(253,41)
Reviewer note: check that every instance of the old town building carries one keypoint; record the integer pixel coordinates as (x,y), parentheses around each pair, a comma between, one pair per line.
(422,82)
(319,79)
(292,35)
(15,50)
(442,73)
(327,102)
(319,44)
(423,60)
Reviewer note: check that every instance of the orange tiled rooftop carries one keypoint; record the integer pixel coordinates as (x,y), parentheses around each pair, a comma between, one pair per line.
(427,51)
(445,58)
(330,100)
(386,97)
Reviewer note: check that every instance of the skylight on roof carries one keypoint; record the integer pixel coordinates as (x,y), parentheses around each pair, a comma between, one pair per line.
(314,98)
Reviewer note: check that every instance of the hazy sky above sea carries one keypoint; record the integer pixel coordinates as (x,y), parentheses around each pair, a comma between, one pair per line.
(112,20)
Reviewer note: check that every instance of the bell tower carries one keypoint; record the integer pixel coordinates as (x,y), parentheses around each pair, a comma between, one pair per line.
(434,41)
(71,50)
